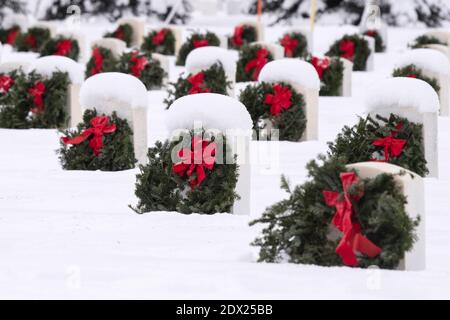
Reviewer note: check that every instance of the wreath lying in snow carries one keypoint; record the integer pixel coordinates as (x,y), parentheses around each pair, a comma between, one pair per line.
(422,41)
(251,60)
(61,46)
(295,45)
(352,47)
(206,186)
(331,74)
(196,40)
(9,36)
(243,35)
(394,140)
(142,66)
(379,44)
(411,71)
(102,60)
(38,102)
(161,41)
(212,80)
(33,39)
(123,32)
(338,219)
(99,143)
(275,106)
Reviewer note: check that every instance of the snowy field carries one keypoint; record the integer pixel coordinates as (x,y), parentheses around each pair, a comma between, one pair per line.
(70,234)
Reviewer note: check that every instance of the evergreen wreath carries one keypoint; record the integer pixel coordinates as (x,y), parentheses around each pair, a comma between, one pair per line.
(62,46)
(213,80)
(144,67)
(38,102)
(352,47)
(422,41)
(33,40)
(116,151)
(8,87)
(277,106)
(102,60)
(196,40)
(295,45)
(304,229)
(395,140)
(243,35)
(379,44)
(411,71)
(251,60)
(331,74)
(10,35)
(123,32)
(160,41)
(207,188)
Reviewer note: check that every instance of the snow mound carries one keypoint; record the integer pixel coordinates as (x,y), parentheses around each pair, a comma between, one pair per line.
(205,57)
(45,66)
(403,93)
(291,70)
(213,111)
(428,59)
(113,88)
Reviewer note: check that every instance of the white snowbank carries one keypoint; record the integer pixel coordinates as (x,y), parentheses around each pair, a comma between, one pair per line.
(203,58)
(104,89)
(403,93)
(11,20)
(45,66)
(428,59)
(213,111)
(291,70)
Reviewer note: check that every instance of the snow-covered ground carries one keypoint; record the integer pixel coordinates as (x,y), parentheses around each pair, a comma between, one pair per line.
(70,234)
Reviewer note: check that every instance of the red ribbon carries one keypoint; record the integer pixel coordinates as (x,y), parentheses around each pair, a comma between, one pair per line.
(37,92)
(159,37)
(5,83)
(139,64)
(200,156)
(197,82)
(258,63)
(237,36)
(371,33)
(320,65)
(31,41)
(352,240)
(289,45)
(63,47)
(347,49)
(280,100)
(412,75)
(100,126)
(119,34)
(98,61)
(392,147)
(12,36)
(201,43)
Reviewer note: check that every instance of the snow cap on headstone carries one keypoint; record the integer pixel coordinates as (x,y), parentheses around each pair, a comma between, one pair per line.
(402,92)
(292,71)
(428,59)
(45,66)
(213,111)
(205,57)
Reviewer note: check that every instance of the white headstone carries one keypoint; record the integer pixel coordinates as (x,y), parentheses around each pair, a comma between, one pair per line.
(80,39)
(370,64)
(441,35)
(138,26)
(276,50)
(165,65)
(116,46)
(346,88)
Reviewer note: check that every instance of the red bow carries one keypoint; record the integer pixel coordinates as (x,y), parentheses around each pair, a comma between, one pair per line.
(371,33)
(139,64)
(197,82)
(31,41)
(100,126)
(98,61)
(5,83)
(258,63)
(201,43)
(63,47)
(199,156)
(352,240)
(37,92)
(392,147)
(412,75)
(237,36)
(347,49)
(320,65)
(119,33)
(289,45)
(12,35)
(159,37)
(280,100)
